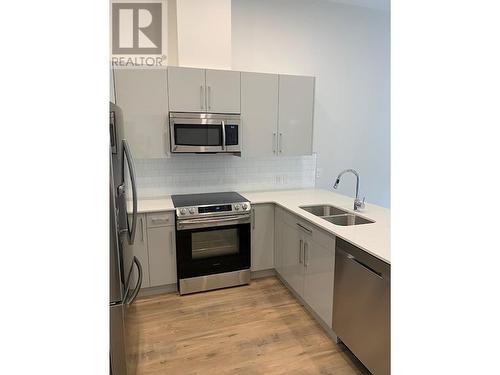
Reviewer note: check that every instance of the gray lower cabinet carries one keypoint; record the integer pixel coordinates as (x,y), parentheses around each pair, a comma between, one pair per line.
(262,254)
(278,239)
(161,246)
(154,246)
(292,267)
(305,259)
(140,250)
(318,278)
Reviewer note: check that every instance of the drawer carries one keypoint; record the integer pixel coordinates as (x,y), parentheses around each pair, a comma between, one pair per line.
(292,219)
(308,229)
(160,219)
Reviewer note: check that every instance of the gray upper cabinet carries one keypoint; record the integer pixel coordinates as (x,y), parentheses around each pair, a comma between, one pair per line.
(259,113)
(202,90)
(277,114)
(223,91)
(296,107)
(186,89)
(276,110)
(142,96)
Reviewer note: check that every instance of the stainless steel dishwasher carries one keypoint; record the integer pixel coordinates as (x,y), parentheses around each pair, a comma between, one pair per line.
(361,306)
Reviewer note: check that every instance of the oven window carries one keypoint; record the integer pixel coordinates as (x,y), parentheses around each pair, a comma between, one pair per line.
(198,135)
(215,243)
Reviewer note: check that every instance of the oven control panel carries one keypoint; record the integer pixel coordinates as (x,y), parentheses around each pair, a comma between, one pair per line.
(212,209)
(215,209)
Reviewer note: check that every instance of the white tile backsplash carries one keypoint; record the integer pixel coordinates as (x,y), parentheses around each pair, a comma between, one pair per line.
(184,174)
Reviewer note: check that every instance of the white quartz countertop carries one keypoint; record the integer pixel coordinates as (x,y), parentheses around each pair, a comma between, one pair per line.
(374,238)
(152,205)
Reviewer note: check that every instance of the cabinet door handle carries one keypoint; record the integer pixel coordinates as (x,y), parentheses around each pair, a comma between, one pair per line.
(280,142)
(142,230)
(209,98)
(159,220)
(274,142)
(202,99)
(306,254)
(172,242)
(301,243)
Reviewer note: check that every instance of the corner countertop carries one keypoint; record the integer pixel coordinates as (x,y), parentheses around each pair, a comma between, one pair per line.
(373,238)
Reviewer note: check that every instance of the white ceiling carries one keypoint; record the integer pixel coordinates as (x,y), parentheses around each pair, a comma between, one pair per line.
(374,4)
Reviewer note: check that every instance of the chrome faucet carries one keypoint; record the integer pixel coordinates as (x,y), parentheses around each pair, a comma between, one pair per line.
(357,202)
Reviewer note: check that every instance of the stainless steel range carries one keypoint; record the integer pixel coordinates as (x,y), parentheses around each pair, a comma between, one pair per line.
(213,241)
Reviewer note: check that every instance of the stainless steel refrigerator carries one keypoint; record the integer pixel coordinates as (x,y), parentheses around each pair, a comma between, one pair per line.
(125,269)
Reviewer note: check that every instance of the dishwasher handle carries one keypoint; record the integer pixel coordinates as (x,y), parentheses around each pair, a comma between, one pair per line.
(368,268)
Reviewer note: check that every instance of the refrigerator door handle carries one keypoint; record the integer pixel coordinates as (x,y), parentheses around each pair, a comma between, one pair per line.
(139,282)
(127,155)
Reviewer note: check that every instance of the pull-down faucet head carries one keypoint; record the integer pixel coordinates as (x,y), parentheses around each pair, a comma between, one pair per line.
(336,183)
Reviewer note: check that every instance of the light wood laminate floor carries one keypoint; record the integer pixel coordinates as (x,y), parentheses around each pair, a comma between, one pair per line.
(256,329)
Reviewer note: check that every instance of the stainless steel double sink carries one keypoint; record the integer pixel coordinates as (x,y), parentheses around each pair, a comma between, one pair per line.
(336,215)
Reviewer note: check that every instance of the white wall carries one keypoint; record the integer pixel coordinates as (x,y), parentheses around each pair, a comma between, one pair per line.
(347,48)
(204,33)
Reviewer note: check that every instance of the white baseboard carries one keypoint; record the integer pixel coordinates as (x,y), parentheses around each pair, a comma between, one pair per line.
(172,288)
(262,273)
(169,288)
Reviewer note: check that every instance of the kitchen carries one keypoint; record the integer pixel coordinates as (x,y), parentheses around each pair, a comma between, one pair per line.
(287,187)
(219,170)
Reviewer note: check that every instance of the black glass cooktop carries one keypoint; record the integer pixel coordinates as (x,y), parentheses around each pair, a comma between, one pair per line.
(185,200)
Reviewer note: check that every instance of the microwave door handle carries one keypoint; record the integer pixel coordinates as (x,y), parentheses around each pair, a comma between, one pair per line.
(202,99)
(223,135)
(127,155)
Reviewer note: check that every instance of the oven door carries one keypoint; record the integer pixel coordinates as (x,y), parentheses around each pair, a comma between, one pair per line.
(211,246)
(211,135)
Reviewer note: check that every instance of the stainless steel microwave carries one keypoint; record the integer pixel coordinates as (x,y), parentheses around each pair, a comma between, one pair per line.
(205,133)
